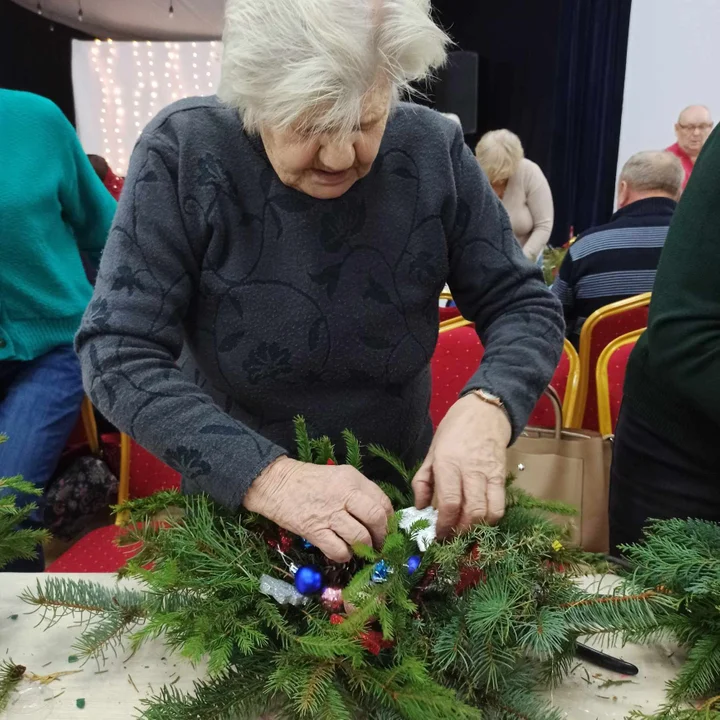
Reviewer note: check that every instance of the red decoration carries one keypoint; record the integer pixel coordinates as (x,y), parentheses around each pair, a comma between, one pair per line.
(332,599)
(372,641)
(469,578)
(285,542)
(430,575)
(272,543)
(330,462)
(336,619)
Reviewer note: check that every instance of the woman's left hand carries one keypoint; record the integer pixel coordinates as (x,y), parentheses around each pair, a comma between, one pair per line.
(464,472)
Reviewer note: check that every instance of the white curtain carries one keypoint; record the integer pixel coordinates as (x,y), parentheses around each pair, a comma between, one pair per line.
(673,57)
(120,86)
(136,19)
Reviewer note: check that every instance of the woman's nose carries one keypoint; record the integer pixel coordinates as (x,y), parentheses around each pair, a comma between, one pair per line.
(337,156)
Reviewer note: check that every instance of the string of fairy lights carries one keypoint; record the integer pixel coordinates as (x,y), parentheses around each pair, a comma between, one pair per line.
(161,73)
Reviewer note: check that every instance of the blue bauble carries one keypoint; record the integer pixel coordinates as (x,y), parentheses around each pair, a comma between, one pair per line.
(380,572)
(308,580)
(413,563)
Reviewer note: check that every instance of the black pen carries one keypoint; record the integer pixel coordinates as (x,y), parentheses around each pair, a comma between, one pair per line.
(607,662)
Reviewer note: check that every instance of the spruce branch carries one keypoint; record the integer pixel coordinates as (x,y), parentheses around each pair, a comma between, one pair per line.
(10,676)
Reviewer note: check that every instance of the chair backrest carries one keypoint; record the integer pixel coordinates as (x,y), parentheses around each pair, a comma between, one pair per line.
(448,313)
(457,356)
(599,330)
(565,382)
(141,473)
(610,379)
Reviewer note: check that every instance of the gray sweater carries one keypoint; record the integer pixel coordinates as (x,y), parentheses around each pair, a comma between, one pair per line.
(289,305)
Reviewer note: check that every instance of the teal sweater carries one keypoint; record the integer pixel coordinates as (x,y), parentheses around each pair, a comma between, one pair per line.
(52,206)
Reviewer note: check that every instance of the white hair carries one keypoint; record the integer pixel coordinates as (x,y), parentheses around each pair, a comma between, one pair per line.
(654,171)
(499,153)
(284,60)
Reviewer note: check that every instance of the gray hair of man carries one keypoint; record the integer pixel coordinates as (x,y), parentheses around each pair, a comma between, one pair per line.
(310,64)
(653,172)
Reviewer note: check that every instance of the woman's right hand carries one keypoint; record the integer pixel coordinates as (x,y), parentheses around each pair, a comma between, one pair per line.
(331,506)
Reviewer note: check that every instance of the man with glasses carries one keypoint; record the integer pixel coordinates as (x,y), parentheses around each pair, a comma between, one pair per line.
(692,130)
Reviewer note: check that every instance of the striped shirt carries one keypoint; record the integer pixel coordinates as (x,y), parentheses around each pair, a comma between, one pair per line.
(614,261)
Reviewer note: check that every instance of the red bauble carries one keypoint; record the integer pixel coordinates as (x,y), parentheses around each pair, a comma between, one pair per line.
(336,619)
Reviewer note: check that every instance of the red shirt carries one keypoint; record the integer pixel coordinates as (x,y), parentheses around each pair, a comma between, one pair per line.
(114,184)
(687,163)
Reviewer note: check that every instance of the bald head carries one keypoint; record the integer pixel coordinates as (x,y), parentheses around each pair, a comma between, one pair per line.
(693,129)
(653,173)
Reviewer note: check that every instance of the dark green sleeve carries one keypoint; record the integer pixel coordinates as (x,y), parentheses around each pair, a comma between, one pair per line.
(684,330)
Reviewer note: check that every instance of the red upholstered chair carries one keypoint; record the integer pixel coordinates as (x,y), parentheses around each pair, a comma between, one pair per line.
(141,475)
(565,382)
(610,379)
(448,313)
(85,430)
(457,356)
(599,330)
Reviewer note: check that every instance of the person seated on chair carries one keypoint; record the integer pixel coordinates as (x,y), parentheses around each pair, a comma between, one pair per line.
(521,186)
(692,130)
(294,234)
(52,207)
(618,260)
(666,460)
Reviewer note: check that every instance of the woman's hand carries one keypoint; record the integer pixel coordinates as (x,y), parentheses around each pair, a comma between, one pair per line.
(464,472)
(333,507)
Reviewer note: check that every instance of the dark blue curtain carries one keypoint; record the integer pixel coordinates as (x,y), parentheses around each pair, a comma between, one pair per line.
(590,82)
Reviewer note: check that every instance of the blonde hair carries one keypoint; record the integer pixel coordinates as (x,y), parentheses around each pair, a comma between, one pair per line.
(285,59)
(499,153)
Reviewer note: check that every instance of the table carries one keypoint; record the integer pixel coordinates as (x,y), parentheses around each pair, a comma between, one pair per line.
(113,690)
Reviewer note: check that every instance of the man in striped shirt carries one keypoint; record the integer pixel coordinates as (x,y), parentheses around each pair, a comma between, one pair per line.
(618,260)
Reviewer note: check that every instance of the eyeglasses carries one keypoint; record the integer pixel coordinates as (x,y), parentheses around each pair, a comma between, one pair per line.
(703,127)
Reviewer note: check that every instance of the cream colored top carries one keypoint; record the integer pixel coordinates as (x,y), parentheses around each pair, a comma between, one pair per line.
(528,201)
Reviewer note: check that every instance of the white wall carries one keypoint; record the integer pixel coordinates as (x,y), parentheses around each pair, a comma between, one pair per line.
(673,62)
(120,86)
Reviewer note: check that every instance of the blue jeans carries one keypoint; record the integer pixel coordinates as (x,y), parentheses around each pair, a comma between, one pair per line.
(39,405)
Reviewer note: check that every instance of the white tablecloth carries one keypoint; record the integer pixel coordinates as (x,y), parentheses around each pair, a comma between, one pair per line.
(113,690)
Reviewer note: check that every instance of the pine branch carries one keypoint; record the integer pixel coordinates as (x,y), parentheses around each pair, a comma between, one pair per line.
(148,507)
(323,450)
(10,676)
(19,485)
(353,454)
(302,440)
(391,459)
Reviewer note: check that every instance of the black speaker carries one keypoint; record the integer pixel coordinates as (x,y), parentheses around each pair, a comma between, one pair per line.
(456,89)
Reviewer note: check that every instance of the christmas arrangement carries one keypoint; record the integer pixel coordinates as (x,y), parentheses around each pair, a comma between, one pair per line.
(418,629)
(681,558)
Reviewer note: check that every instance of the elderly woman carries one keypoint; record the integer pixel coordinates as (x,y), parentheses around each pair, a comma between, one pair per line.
(521,186)
(294,235)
